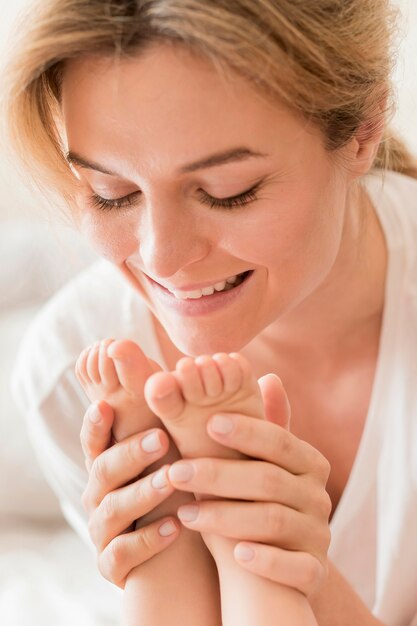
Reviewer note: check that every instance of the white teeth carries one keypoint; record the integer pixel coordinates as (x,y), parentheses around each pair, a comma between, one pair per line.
(193,295)
(205,291)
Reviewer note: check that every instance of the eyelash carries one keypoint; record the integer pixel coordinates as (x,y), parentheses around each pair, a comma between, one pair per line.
(240,200)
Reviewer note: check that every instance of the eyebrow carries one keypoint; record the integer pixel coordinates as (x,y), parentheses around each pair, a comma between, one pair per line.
(220,158)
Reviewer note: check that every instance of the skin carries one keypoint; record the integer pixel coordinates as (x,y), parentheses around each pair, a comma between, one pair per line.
(311,313)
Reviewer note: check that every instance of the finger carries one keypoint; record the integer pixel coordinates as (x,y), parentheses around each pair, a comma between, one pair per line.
(266,441)
(95,432)
(276,404)
(270,523)
(128,551)
(240,480)
(122,463)
(300,570)
(121,507)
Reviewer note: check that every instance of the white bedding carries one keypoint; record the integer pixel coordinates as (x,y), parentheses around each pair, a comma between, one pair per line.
(49,578)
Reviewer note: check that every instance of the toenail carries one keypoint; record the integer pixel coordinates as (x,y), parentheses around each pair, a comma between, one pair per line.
(163,394)
(151,443)
(188,513)
(181,472)
(221,425)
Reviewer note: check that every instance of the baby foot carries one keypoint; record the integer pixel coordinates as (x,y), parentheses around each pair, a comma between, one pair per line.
(186,398)
(116,371)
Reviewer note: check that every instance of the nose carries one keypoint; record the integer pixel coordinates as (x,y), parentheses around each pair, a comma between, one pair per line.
(170,238)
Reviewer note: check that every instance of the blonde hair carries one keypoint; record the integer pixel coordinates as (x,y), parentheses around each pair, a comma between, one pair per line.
(330,60)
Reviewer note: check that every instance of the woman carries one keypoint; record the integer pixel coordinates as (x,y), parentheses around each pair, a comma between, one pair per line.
(195,142)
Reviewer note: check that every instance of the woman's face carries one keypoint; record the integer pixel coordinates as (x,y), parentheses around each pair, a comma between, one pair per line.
(215,181)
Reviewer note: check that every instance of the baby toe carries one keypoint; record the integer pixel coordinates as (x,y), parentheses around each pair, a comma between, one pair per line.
(92,364)
(106,366)
(188,376)
(163,395)
(210,375)
(131,364)
(230,371)
(248,377)
(81,367)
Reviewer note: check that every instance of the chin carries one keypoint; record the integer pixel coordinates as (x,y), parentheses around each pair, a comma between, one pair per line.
(207,344)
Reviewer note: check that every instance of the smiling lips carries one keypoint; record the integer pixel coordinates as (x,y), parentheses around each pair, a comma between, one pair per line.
(196,294)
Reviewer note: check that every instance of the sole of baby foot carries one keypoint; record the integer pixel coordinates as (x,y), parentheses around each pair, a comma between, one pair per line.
(185,399)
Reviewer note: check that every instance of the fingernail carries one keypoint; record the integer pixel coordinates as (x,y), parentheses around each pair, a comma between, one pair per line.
(159,480)
(94,414)
(181,472)
(167,528)
(151,443)
(188,513)
(221,425)
(244,553)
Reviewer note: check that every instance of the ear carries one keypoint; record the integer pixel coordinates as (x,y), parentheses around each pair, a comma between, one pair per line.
(363,147)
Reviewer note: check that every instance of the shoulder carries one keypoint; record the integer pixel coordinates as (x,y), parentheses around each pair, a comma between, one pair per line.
(394,197)
(96,304)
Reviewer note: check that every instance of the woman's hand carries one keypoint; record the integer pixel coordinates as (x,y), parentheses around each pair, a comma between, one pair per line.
(114,498)
(277,505)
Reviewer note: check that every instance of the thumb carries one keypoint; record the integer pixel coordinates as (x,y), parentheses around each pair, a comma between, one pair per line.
(276,403)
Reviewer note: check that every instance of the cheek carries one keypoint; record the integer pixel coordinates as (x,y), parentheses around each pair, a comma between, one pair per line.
(111,237)
(298,239)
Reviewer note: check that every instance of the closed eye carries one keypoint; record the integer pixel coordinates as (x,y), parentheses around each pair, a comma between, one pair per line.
(105,204)
(232,202)
(239,200)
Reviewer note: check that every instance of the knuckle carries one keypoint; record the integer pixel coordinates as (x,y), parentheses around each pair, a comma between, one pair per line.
(274,519)
(326,505)
(111,559)
(215,517)
(140,492)
(268,562)
(146,542)
(92,530)
(311,572)
(99,471)
(321,503)
(269,480)
(108,507)
(324,468)
(327,537)
(211,471)
(133,450)
(282,443)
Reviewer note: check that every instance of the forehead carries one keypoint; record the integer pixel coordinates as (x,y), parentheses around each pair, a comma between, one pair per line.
(165,101)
